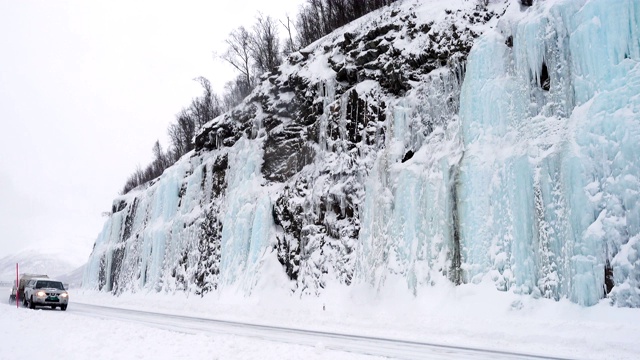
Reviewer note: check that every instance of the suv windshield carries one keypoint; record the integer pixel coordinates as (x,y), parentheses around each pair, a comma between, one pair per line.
(49,285)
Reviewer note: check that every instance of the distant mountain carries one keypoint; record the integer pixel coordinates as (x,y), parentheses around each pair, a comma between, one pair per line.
(34,261)
(73,278)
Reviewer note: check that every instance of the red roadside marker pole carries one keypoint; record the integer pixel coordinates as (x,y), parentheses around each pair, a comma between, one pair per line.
(17,286)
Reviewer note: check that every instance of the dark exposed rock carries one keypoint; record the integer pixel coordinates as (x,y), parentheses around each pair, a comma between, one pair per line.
(348,36)
(180,272)
(407,156)
(219,175)
(209,248)
(609,283)
(395,82)
(348,44)
(102,272)
(116,267)
(455,271)
(226,130)
(544,81)
(285,153)
(128,222)
(381,31)
(348,75)
(118,206)
(287,215)
(305,54)
(372,44)
(366,57)
(383,48)
(214,136)
(210,230)
(374,65)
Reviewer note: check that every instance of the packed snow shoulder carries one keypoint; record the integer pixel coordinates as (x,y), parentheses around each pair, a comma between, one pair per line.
(441,142)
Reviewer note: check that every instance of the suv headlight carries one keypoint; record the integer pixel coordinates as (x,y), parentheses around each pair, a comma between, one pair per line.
(64,295)
(41,294)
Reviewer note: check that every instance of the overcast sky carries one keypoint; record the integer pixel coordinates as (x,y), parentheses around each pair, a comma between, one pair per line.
(86,87)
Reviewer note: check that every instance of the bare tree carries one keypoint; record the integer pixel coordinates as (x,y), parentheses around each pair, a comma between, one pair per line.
(320,17)
(289,45)
(206,107)
(239,53)
(161,160)
(181,133)
(234,92)
(308,25)
(157,150)
(265,44)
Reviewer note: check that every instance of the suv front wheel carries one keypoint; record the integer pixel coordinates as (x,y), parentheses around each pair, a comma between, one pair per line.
(32,305)
(63,307)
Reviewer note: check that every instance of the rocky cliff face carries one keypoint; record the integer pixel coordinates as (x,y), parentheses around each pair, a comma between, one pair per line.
(364,158)
(323,118)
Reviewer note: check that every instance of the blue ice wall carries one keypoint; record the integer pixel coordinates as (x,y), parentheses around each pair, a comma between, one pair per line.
(407,219)
(549,180)
(153,240)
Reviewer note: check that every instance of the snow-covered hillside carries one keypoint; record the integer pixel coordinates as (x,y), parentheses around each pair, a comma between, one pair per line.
(440,142)
(73,278)
(34,262)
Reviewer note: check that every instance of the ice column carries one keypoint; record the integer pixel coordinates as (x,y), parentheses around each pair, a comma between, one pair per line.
(550,174)
(247,222)
(407,220)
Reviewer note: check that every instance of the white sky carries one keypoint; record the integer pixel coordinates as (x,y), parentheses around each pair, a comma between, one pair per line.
(86,87)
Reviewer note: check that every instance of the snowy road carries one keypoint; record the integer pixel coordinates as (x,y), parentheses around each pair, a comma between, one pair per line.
(375,346)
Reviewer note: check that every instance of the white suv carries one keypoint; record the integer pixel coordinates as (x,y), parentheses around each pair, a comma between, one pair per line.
(45,292)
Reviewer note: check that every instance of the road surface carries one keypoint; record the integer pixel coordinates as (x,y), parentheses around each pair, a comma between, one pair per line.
(377,346)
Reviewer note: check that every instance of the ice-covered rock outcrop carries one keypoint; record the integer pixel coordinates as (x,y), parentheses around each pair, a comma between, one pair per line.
(462,142)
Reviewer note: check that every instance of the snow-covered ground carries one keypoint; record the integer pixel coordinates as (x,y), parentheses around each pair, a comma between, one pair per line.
(471,316)
(71,336)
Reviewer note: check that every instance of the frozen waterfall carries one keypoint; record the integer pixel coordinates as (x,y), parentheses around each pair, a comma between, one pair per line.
(519,167)
(549,181)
